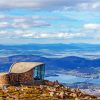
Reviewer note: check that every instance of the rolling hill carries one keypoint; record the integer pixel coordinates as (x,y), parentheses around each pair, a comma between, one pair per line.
(55,64)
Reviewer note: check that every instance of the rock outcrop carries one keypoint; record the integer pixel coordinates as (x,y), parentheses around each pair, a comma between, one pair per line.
(47,91)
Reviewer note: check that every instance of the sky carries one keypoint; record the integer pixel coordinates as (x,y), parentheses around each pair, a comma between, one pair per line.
(49,21)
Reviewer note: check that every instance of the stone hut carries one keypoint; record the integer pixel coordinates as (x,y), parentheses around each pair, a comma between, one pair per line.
(4,79)
(23,73)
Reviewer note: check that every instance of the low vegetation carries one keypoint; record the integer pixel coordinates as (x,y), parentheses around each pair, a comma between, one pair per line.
(43,92)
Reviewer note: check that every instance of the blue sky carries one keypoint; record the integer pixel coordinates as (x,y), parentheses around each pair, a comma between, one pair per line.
(49,21)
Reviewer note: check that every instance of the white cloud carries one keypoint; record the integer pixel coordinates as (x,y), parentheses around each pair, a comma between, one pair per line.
(28,35)
(48,4)
(97,36)
(53,35)
(20,25)
(4,24)
(3,32)
(34,4)
(32,34)
(22,22)
(88,5)
(96,5)
(92,26)
(19,19)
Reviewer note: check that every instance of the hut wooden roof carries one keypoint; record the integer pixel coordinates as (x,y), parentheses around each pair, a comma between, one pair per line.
(22,67)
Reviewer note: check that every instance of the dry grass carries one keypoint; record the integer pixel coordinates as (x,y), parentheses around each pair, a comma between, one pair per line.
(43,92)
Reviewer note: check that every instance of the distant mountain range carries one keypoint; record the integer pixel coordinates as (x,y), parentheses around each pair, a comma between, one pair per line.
(81,46)
(54,64)
(56,56)
(52,50)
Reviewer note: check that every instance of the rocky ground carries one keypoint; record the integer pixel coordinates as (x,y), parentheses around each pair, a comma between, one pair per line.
(48,91)
(95,92)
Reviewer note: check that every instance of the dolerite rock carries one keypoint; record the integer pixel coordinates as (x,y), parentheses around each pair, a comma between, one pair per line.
(50,91)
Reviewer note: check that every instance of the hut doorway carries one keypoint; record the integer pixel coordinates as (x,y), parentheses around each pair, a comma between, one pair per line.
(39,72)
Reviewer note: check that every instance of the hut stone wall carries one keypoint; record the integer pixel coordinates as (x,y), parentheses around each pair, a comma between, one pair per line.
(4,79)
(16,78)
(21,78)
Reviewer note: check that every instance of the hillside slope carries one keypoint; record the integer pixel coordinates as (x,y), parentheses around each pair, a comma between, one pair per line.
(47,91)
(66,63)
